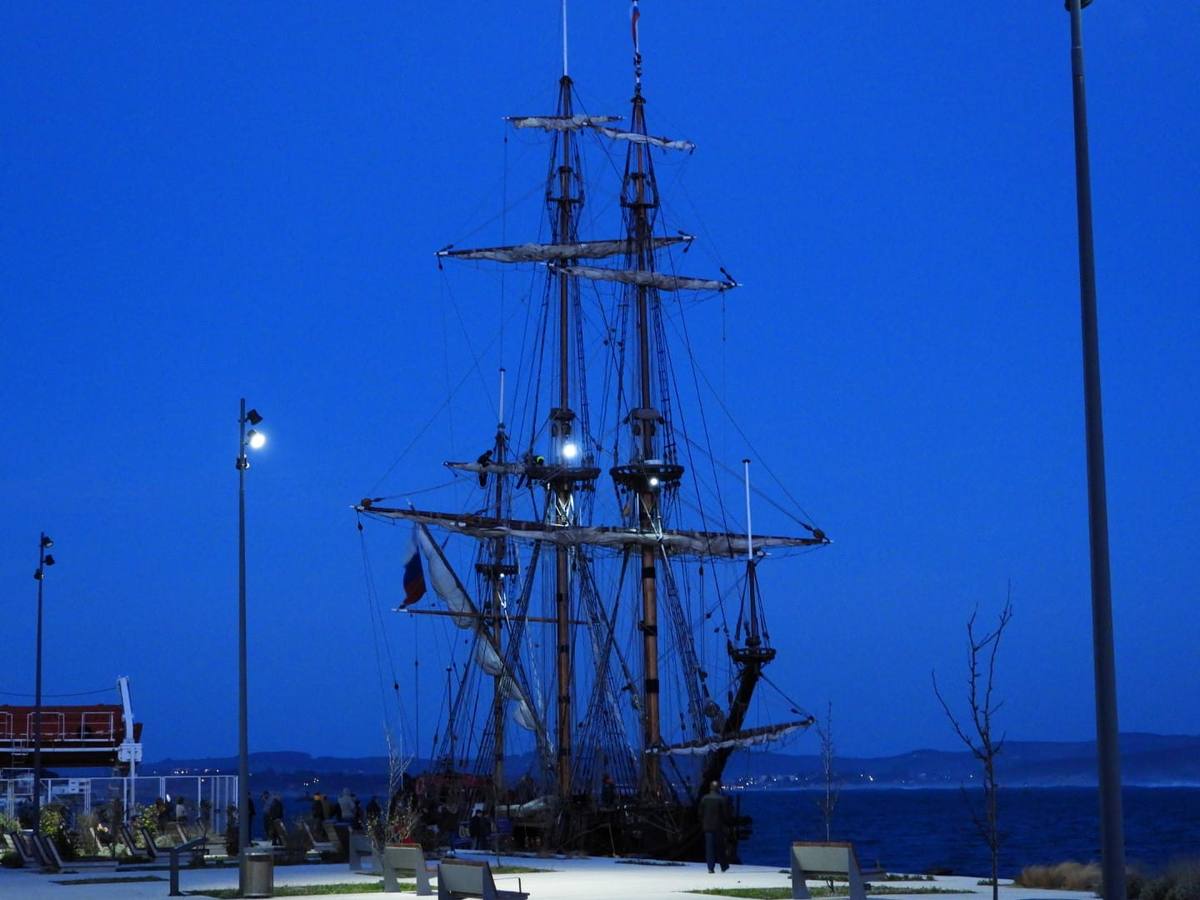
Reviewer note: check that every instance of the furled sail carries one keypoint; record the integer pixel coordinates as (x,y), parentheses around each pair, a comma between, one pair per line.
(635,138)
(658,280)
(747,738)
(697,543)
(447,586)
(561,123)
(524,253)
(495,468)
(445,583)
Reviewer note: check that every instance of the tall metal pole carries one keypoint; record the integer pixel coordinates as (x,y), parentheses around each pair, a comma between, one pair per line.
(243,740)
(37,695)
(1112,843)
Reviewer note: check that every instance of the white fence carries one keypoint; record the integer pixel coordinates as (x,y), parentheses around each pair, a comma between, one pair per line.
(205,797)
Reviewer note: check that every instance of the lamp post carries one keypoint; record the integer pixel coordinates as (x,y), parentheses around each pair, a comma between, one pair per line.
(1112,842)
(254,440)
(44,560)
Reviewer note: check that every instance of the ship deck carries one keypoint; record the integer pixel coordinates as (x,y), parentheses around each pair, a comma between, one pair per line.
(591,878)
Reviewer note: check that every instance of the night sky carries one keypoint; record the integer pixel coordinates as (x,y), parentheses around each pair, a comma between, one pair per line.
(201,204)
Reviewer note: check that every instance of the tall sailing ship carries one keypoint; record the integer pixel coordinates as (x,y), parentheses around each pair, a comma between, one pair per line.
(614,621)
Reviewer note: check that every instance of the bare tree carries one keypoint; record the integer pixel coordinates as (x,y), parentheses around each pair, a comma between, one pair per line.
(833,785)
(399,818)
(981,672)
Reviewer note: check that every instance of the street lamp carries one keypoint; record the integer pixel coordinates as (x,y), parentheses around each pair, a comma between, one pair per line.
(253,439)
(44,560)
(1112,842)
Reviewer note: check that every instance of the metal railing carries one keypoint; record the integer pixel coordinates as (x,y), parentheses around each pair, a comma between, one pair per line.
(92,727)
(206,798)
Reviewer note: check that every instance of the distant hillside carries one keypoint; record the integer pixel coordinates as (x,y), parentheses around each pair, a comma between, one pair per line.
(1146,759)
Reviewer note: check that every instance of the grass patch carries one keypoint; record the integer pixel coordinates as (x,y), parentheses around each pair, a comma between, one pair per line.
(516,870)
(115,879)
(784,893)
(304,890)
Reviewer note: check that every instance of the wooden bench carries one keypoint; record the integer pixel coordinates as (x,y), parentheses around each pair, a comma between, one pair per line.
(468,878)
(827,861)
(405,858)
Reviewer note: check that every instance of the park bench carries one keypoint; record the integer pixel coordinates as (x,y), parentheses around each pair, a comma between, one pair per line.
(325,846)
(44,860)
(55,862)
(20,846)
(361,854)
(126,835)
(834,861)
(335,837)
(469,878)
(405,858)
(148,846)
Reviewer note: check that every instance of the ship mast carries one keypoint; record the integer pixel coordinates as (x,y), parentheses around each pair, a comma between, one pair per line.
(566,448)
(750,657)
(495,572)
(644,474)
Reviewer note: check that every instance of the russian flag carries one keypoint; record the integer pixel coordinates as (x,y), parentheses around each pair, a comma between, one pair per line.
(414,578)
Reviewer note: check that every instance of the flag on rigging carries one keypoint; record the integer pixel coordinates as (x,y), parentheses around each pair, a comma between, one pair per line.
(414,578)
(634,15)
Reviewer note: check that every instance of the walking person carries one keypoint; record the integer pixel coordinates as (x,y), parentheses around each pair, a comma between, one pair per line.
(714,818)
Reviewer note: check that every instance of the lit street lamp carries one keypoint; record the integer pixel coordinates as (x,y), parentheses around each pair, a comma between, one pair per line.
(44,560)
(255,440)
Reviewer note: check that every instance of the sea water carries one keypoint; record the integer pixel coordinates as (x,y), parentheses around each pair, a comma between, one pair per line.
(925,830)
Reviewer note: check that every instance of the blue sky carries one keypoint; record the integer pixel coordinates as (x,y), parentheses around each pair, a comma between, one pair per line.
(209,203)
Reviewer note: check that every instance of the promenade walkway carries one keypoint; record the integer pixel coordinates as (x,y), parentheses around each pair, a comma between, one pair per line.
(570,879)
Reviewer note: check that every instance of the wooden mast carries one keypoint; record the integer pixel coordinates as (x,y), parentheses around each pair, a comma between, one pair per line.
(562,489)
(644,423)
(499,570)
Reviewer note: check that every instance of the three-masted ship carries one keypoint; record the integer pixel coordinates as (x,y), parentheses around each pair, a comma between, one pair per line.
(590,715)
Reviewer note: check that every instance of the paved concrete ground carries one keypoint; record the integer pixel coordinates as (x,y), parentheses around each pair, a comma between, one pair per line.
(571,879)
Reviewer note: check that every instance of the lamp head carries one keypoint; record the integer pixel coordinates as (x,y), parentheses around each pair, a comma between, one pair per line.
(256,439)
(48,561)
(47,542)
(570,450)
(253,417)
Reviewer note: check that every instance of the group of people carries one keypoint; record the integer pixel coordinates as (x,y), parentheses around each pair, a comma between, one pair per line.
(346,808)
(441,822)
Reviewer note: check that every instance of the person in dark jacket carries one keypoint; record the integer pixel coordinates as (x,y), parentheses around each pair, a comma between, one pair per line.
(714,817)
(266,805)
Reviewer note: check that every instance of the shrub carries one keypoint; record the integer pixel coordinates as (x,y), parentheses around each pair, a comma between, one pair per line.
(1065,876)
(51,821)
(147,817)
(1181,881)
(10,861)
